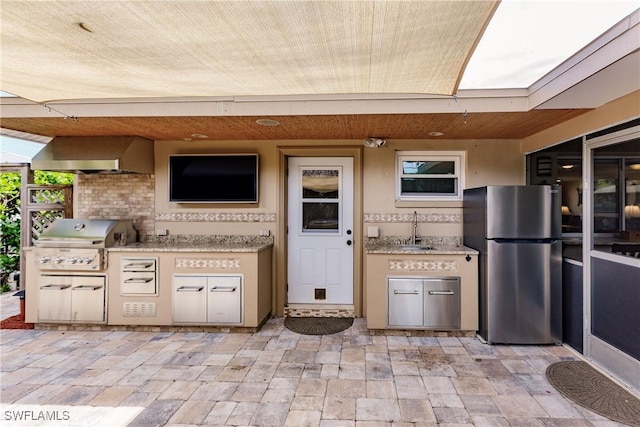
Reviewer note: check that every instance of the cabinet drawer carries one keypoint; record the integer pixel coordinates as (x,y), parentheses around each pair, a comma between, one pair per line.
(138,276)
(138,283)
(138,264)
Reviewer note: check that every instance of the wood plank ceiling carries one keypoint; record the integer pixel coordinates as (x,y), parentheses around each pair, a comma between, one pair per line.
(498,125)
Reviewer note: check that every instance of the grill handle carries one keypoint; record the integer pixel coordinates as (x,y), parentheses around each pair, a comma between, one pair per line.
(190,289)
(441,293)
(54,287)
(223,289)
(86,288)
(139,280)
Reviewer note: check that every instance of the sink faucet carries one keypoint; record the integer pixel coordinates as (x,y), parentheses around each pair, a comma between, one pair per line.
(414,237)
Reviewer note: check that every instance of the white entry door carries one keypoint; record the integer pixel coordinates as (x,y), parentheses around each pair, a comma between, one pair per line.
(320,264)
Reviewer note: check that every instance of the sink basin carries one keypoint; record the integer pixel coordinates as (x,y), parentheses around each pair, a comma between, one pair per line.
(416,247)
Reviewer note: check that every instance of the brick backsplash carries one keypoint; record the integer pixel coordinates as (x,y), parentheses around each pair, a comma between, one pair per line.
(117,196)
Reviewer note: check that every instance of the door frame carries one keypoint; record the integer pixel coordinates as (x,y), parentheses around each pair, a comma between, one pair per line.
(280,243)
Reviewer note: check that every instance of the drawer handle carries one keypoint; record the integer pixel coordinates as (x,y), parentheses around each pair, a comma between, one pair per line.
(190,288)
(139,280)
(441,293)
(54,287)
(139,265)
(396,292)
(86,288)
(223,289)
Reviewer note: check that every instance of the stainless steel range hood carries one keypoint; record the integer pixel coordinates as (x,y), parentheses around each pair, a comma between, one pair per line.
(114,154)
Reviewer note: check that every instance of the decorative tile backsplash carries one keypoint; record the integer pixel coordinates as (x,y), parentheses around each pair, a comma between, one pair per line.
(452,218)
(215,217)
(216,263)
(418,265)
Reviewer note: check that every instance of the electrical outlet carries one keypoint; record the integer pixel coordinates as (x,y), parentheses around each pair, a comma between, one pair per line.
(161,231)
(265,232)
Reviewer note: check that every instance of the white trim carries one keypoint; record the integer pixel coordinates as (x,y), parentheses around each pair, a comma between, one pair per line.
(617,258)
(623,368)
(594,349)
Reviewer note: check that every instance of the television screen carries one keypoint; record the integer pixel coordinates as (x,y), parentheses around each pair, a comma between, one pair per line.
(221,178)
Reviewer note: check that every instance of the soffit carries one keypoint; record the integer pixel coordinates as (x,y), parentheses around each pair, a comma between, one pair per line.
(124,49)
(486,125)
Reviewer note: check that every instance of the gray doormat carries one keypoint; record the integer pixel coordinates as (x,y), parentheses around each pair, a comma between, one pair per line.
(584,385)
(318,325)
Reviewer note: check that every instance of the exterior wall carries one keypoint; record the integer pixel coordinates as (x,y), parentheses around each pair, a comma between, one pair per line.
(145,198)
(488,162)
(614,112)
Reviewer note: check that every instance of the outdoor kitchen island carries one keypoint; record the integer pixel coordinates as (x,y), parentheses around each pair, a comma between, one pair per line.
(422,289)
(207,281)
(187,282)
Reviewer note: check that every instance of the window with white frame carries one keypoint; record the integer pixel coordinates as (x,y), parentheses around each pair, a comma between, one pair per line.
(423,176)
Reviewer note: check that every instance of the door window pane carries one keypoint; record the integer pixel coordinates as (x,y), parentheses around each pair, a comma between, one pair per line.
(320,216)
(319,184)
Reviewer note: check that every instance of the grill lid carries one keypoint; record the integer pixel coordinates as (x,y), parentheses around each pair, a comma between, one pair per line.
(87,232)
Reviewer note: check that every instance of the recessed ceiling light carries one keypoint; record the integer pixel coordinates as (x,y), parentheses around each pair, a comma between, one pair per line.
(567,166)
(436,133)
(199,135)
(267,122)
(635,166)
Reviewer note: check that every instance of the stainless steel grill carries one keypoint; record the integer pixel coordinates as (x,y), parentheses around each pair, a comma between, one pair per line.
(78,244)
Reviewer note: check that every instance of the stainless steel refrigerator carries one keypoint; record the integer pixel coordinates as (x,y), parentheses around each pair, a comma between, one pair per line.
(517,230)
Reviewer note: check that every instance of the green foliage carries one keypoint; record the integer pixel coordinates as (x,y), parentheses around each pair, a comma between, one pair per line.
(10,215)
(53,178)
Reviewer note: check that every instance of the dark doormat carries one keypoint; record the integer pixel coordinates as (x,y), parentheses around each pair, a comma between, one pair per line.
(318,325)
(584,385)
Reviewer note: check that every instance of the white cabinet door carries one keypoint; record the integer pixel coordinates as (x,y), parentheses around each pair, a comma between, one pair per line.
(54,298)
(224,299)
(190,299)
(88,299)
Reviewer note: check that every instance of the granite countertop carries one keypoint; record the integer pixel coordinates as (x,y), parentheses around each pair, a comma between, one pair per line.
(195,243)
(436,247)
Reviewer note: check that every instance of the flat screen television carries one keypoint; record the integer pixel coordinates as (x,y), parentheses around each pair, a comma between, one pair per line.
(213,178)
